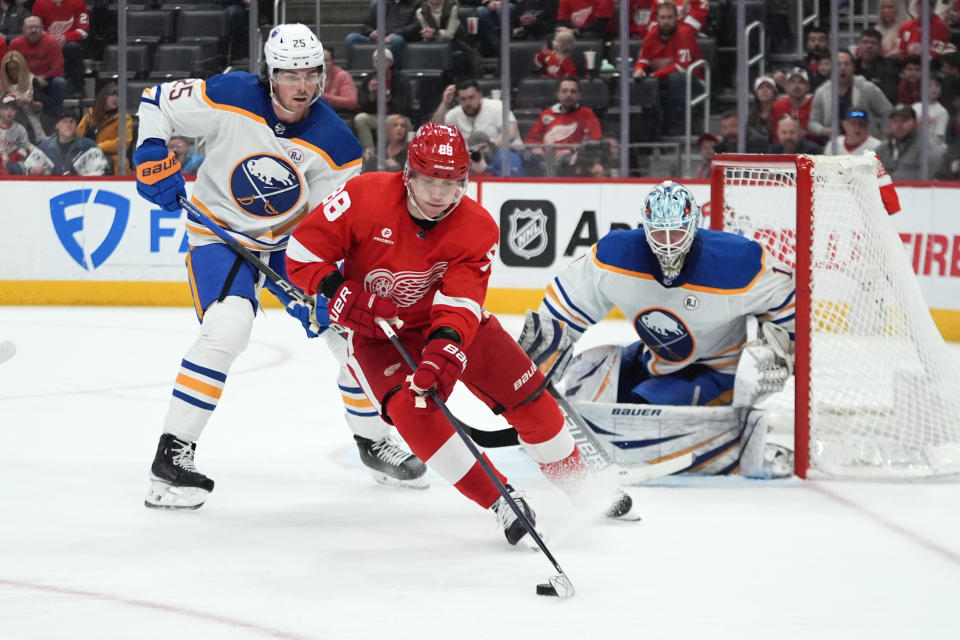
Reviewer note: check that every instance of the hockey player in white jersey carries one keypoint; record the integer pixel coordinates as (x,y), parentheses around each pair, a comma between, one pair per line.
(714,319)
(273,152)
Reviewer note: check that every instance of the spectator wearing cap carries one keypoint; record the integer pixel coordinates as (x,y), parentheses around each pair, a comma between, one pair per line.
(792,137)
(852,90)
(340,91)
(400,24)
(69,23)
(707,145)
(399,100)
(567,122)
(760,113)
(14,142)
(485,160)
(797,102)
(870,63)
(901,153)
(856,136)
(45,62)
(65,153)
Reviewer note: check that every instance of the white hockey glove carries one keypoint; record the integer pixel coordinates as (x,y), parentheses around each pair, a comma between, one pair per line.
(548,343)
(765,363)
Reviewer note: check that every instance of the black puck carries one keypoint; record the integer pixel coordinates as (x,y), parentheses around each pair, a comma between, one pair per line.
(546,589)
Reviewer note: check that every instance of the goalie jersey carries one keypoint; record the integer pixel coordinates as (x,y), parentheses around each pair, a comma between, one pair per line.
(261,176)
(698,318)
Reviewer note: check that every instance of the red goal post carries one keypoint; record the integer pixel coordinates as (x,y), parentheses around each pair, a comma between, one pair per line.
(876,392)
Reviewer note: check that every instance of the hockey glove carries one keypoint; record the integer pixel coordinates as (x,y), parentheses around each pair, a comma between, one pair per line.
(353,308)
(313,318)
(548,343)
(441,363)
(158,174)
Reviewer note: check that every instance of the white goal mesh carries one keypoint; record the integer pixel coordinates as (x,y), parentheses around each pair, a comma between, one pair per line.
(877,393)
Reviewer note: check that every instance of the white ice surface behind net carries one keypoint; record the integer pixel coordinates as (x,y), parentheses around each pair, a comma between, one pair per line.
(298,542)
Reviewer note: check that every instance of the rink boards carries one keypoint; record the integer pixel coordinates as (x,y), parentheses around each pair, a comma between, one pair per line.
(96,241)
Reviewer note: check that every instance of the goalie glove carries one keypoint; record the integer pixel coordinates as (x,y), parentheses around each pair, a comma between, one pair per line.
(765,363)
(548,343)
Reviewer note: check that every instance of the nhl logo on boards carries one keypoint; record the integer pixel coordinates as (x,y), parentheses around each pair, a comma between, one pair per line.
(527,233)
(691,303)
(265,185)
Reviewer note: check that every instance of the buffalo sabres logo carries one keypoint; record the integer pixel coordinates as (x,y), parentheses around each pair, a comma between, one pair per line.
(528,232)
(665,334)
(265,185)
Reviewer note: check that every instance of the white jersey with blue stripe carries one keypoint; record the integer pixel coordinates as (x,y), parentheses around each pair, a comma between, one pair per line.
(699,318)
(260,176)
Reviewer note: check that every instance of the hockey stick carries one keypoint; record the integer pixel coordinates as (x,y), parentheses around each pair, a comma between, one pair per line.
(486,439)
(560,585)
(195,214)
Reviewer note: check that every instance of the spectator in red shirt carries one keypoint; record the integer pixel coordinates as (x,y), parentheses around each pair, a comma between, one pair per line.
(556,62)
(565,123)
(911,41)
(691,12)
(797,102)
(587,18)
(45,61)
(68,22)
(340,91)
(665,55)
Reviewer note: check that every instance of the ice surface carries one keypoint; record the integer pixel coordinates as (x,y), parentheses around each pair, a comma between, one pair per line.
(298,542)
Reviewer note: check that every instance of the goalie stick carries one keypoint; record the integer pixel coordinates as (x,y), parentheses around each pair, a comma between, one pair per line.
(559,585)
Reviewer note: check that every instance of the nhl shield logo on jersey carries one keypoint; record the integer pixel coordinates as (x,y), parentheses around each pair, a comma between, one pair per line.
(665,334)
(266,185)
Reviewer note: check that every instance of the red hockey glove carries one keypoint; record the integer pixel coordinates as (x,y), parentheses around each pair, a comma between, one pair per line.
(356,309)
(441,364)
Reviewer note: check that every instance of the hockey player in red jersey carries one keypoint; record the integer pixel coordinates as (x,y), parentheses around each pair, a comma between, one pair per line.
(417,252)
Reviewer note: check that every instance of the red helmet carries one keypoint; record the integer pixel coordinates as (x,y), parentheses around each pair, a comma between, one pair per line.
(439,151)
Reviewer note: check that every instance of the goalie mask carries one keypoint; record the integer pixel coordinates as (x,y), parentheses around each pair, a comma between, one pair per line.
(670,218)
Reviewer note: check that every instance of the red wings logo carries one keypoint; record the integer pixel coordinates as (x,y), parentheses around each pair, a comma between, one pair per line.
(405,288)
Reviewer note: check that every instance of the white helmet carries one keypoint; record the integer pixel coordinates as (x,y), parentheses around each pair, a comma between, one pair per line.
(293,46)
(670,217)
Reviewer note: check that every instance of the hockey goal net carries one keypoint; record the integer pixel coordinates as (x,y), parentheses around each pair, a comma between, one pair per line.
(876,392)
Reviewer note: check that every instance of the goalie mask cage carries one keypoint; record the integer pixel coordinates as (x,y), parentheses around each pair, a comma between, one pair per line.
(876,393)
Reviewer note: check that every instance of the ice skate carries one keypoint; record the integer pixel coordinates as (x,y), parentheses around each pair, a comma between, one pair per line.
(391,464)
(513,527)
(175,482)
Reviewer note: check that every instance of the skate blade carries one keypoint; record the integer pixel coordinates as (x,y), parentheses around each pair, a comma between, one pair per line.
(163,495)
(389,481)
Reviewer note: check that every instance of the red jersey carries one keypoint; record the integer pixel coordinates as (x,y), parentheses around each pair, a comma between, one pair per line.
(660,58)
(697,18)
(784,105)
(580,13)
(556,127)
(911,42)
(641,12)
(552,65)
(3,46)
(44,59)
(437,276)
(908,92)
(67,18)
